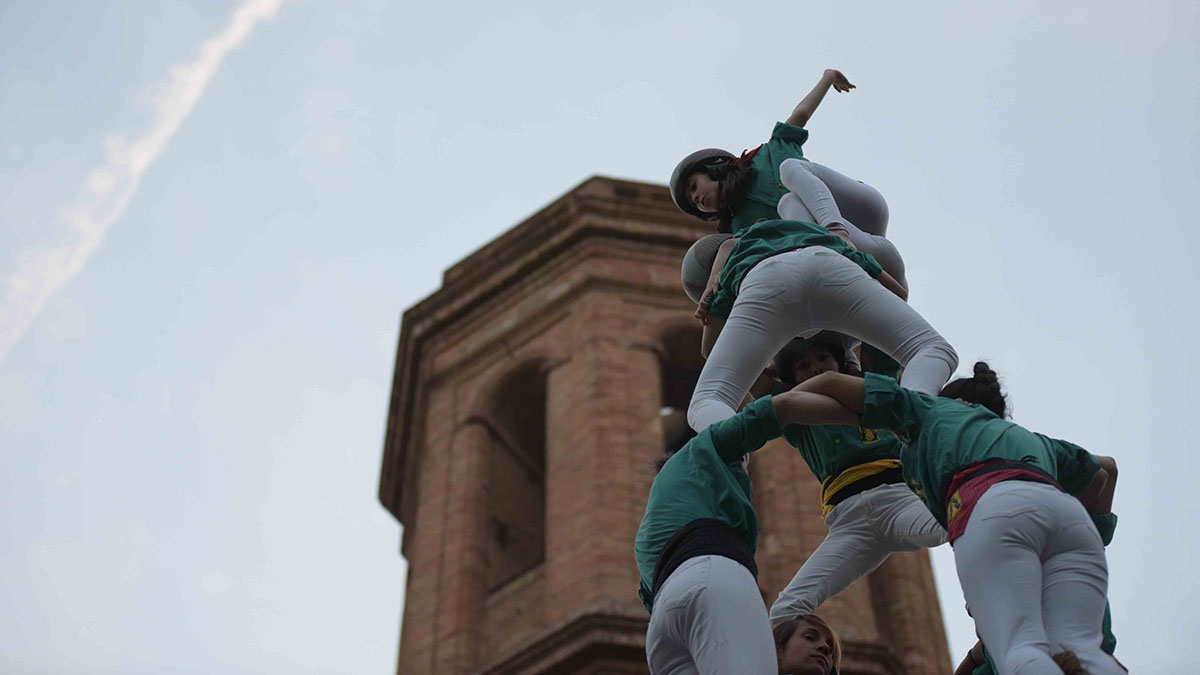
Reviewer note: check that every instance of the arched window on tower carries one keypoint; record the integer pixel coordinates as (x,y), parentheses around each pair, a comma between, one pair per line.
(680,368)
(516,476)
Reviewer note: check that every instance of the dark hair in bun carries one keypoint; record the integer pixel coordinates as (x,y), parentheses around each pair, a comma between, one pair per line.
(983,388)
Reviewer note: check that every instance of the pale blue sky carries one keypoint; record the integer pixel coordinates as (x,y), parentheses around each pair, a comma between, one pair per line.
(191,425)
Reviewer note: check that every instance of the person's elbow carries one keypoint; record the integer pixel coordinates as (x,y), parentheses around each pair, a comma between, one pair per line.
(1109,466)
(788,169)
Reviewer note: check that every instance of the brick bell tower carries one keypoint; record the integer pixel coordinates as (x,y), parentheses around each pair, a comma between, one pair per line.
(531,395)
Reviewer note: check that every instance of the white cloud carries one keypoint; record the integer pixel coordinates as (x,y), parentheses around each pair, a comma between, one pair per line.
(108,188)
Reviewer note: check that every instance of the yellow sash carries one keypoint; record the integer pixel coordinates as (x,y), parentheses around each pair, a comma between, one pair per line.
(855,473)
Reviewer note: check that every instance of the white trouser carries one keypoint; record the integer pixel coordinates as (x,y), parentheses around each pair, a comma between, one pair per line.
(1032,568)
(863,531)
(709,619)
(810,289)
(823,196)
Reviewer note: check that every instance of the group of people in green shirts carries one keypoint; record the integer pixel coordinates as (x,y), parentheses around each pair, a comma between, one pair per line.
(803,302)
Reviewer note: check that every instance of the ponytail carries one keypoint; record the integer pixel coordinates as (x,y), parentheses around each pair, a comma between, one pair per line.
(983,388)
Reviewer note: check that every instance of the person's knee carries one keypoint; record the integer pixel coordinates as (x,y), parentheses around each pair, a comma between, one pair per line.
(792,167)
(695,407)
(947,353)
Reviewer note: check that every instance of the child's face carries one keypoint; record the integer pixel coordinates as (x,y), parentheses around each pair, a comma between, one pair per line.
(703,192)
(813,362)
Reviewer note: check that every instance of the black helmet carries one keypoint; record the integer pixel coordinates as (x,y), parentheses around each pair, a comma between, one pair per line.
(787,356)
(685,168)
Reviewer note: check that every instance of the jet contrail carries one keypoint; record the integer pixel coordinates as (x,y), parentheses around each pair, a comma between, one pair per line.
(108,188)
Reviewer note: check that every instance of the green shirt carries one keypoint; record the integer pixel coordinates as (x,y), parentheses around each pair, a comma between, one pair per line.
(765,189)
(945,436)
(772,237)
(705,479)
(830,449)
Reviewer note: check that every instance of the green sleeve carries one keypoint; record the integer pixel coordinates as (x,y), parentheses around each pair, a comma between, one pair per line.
(746,431)
(863,260)
(793,136)
(987,667)
(1076,466)
(1106,523)
(887,405)
(1108,641)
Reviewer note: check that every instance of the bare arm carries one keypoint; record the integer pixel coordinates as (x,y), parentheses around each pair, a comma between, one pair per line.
(804,407)
(713,326)
(845,389)
(973,658)
(808,105)
(1097,497)
(889,282)
(708,338)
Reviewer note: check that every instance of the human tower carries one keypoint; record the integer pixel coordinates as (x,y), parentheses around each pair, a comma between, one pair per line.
(803,302)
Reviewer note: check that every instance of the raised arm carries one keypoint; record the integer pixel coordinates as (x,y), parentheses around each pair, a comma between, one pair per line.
(808,105)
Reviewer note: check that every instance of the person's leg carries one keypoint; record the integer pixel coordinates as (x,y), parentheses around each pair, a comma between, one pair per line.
(810,199)
(796,176)
(903,520)
(860,203)
(730,632)
(845,299)
(850,550)
(1000,570)
(755,330)
(669,632)
(882,249)
(1074,588)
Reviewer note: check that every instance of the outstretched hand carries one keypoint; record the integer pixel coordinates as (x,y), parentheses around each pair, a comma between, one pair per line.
(838,81)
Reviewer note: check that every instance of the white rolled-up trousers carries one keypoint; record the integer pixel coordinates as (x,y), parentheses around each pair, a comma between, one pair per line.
(863,531)
(709,619)
(798,293)
(1032,569)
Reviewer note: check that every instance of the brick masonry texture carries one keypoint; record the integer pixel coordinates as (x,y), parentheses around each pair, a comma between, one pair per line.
(580,302)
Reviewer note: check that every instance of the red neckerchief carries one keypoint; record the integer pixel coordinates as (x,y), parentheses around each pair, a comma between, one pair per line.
(747,155)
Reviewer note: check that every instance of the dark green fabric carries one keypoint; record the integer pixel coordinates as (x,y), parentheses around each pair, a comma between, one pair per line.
(884,364)
(705,479)
(765,189)
(772,237)
(830,449)
(1106,525)
(945,436)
